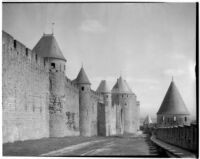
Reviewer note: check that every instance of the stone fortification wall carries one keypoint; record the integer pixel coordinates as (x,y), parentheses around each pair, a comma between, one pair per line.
(96,101)
(116,102)
(64,105)
(127,110)
(113,120)
(166,120)
(85,110)
(131,114)
(135,116)
(182,136)
(25,92)
(71,108)
(108,104)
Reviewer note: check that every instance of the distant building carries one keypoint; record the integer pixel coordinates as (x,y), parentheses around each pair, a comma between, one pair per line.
(173,111)
(39,100)
(147,122)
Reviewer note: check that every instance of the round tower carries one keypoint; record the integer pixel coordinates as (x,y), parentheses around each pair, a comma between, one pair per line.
(84,103)
(120,98)
(105,91)
(48,48)
(127,107)
(173,111)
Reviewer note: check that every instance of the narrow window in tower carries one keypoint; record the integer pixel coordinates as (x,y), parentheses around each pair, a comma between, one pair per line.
(64,67)
(106,96)
(15,44)
(185,119)
(174,118)
(82,88)
(26,52)
(44,62)
(53,65)
(50,85)
(33,108)
(36,57)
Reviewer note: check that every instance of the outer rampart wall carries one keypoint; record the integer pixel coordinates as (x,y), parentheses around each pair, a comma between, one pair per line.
(131,114)
(182,136)
(172,120)
(95,100)
(25,93)
(71,108)
(64,106)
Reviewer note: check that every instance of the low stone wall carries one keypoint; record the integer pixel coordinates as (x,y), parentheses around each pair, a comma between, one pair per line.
(181,136)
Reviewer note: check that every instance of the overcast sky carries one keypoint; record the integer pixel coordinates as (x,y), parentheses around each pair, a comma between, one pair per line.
(146,43)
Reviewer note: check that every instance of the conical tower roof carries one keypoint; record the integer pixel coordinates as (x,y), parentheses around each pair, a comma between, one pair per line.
(173,102)
(147,120)
(82,77)
(121,86)
(128,86)
(103,87)
(48,47)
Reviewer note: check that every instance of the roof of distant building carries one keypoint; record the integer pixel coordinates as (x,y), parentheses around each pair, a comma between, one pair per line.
(173,102)
(147,120)
(48,47)
(82,77)
(121,86)
(103,87)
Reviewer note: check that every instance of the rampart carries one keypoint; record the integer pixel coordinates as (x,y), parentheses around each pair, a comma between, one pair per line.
(182,136)
(71,108)
(25,96)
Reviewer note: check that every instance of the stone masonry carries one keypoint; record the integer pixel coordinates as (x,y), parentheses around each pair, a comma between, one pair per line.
(39,100)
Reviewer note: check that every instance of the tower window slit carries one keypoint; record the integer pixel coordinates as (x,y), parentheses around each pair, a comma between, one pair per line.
(15,44)
(53,65)
(26,52)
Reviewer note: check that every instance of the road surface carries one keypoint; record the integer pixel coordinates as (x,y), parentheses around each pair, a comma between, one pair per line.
(112,146)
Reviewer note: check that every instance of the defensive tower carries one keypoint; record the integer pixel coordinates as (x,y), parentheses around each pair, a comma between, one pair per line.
(48,48)
(125,101)
(84,103)
(105,91)
(172,111)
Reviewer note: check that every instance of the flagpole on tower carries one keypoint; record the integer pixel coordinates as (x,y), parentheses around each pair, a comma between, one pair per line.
(52,27)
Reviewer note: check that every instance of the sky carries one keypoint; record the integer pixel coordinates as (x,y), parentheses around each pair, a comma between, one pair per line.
(145,43)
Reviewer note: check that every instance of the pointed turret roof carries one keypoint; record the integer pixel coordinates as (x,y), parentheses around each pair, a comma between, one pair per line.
(128,86)
(82,77)
(103,87)
(173,102)
(121,86)
(48,47)
(147,120)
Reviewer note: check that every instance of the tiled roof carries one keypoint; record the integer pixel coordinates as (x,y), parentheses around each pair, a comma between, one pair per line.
(103,87)
(121,86)
(82,77)
(173,102)
(48,47)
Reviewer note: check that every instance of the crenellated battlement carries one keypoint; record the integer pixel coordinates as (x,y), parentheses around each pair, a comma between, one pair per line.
(184,136)
(71,84)
(17,50)
(34,83)
(96,95)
